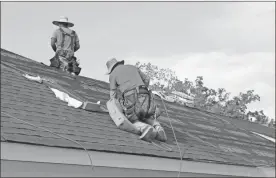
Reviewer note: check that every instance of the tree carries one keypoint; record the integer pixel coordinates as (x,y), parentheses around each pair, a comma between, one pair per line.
(217,101)
(185,87)
(150,70)
(223,96)
(237,106)
(261,118)
(164,79)
(179,86)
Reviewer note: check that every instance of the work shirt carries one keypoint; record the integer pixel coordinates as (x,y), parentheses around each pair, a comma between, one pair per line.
(126,77)
(67,40)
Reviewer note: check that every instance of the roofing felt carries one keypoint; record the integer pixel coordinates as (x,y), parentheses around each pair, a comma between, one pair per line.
(203,137)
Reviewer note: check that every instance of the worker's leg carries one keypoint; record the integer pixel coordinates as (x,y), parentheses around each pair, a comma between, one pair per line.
(128,108)
(65,58)
(160,132)
(75,68)
(151,119)
(133,111)
(142,106)
(55,62)
(152,106)
(63,63)
(148,132)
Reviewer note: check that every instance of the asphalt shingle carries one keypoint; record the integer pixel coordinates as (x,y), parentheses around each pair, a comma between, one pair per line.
(199,134)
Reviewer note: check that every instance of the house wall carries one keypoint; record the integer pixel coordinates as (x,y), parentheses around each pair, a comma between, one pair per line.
(35,169)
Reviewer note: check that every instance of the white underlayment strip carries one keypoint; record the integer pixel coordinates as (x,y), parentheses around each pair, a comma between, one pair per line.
(266,137)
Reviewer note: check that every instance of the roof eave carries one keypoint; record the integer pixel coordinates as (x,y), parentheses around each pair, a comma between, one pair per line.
(43,154)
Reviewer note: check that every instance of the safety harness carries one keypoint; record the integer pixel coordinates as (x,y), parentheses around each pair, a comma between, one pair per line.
(130,109)
(66,53)
(72,35)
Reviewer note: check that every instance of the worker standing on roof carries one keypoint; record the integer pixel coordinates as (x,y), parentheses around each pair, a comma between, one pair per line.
(65,42)
(136,99)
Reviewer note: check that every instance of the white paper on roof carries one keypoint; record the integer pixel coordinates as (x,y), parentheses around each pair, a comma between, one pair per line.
(266,137)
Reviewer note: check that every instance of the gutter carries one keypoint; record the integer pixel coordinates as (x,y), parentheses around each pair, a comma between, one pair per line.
(44,154)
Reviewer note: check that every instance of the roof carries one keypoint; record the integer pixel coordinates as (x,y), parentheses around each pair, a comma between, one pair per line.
(203,137)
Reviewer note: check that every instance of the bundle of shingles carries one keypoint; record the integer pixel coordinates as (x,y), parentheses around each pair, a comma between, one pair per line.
(177,97)
(184,98)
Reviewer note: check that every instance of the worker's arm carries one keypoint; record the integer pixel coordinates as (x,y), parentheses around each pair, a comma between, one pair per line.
(144,77)
(53,44)
(54,40)
(77,46)
(113,87)
(77,43)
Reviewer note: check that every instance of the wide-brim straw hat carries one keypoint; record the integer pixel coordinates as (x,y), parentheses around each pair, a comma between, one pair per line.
(63,19)
(111,63)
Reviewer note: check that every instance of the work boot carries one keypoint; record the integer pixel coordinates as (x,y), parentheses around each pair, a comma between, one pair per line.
(161,135)
(148,134)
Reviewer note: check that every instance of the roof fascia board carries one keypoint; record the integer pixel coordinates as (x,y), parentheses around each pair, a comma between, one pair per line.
(35,169)
(33,153)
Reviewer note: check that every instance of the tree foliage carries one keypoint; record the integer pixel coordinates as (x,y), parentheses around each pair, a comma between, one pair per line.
(214,100)
(260,116)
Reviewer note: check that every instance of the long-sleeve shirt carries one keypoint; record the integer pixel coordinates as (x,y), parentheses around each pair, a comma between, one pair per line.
(126,77)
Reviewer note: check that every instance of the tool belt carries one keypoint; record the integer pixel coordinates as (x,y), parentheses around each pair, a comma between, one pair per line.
(142,89)
(64,59)
(132,94)
(130,99)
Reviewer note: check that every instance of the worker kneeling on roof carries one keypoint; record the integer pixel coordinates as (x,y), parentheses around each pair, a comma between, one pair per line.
(136,99)
(65,42)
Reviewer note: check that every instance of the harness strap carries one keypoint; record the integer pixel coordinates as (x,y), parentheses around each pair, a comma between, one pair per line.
(136,91)
(63,37)
(72,38)
(149,102)
(129,107)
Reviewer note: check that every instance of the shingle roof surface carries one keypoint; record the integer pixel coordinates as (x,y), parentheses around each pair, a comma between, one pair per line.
(203,137)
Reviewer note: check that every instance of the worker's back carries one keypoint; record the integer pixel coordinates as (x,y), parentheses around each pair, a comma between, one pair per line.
(65,42)
(127,77)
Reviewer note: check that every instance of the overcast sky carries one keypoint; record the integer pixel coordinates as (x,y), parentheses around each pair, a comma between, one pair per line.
(231,44)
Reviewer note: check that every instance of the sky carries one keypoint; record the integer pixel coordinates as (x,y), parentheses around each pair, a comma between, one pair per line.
(230,44)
